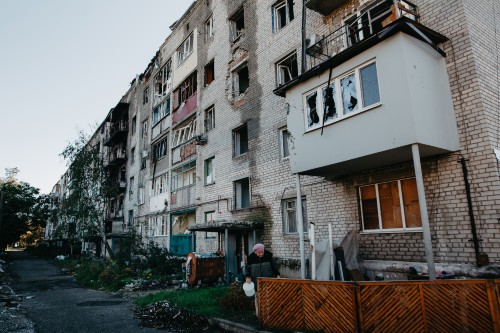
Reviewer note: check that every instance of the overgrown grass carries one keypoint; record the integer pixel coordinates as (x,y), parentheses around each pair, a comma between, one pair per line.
(222,302)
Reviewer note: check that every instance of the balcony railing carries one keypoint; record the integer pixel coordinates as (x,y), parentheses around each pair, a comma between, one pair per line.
(371,20)
(236,203)
(117,131)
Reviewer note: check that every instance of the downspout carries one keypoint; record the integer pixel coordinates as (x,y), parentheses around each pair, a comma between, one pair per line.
(475,239)
(303,36)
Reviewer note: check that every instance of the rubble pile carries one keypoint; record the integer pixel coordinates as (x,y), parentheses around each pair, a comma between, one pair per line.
(145,285)
(163,315)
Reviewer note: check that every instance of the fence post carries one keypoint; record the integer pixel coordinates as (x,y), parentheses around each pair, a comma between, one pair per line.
(357,306)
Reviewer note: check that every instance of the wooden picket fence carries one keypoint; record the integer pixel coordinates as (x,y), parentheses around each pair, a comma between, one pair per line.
(389,306)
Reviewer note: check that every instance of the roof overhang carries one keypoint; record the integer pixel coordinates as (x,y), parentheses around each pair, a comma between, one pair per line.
(221,226)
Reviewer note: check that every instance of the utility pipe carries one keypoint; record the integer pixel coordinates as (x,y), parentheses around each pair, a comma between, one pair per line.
(300,226)
(423,212)
(475,239)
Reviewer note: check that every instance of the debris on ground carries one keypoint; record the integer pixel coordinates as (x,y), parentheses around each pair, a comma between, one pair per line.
(166,316)
(144,285)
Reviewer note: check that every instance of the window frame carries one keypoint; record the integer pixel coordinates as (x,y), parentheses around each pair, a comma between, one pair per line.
(184,134)
(160,149)
(210,118)
(336,84)
(237,141)
(209,170)
(284,134)
(185,49)
(286,219)
(209,73)
(145,96)
(293,72)
(179,175)
(237,20)
(276,17)
(239,199)
(210,234)
(209,28)
(402,212)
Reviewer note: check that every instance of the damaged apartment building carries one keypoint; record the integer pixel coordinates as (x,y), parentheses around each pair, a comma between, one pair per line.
(376,119)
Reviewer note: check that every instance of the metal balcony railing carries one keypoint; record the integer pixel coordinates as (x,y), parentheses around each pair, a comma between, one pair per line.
(370,21)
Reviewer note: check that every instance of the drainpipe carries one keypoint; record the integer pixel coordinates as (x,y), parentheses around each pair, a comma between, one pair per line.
(475,239)
(423,212)
(226,235)
(300,226)
(303,36)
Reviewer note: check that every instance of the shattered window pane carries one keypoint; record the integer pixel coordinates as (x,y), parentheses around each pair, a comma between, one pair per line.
(311,110)
(330,103)
(369,85)
(349,94)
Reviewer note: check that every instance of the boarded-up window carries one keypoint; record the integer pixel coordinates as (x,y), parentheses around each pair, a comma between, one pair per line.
(391,205)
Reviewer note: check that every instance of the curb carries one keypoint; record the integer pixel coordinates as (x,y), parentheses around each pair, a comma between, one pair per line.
(234,327)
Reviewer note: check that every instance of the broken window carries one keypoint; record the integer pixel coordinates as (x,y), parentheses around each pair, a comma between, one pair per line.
(209,28)
(348,86)
(185,49)
(284,135)
(287,69)
(161,110)
(209,73)
(368,21)
(145,96)
(343,97)
(240,141)
(289,209)
(209,170)
(185,133)
(242,193)
(160,149)
(330,103)
(184,176)
(389,206)
(282,14)
(159,185)
(241,80)
(162,81)
(185,90)
(312,110)
(237,25)
(209,118)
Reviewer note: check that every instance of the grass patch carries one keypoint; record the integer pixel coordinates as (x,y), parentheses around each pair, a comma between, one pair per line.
(227,302)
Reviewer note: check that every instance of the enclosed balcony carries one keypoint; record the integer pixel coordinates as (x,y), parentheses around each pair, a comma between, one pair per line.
(379,85)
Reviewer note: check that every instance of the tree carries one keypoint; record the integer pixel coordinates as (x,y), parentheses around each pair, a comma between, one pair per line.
(82,209)
(22,208)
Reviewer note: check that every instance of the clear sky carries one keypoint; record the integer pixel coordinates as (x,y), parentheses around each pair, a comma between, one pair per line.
(63,65)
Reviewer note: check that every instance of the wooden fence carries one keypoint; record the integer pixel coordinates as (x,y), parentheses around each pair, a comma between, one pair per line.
(389,306)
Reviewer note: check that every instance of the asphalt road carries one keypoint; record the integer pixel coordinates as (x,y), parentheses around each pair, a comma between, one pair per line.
(55,303)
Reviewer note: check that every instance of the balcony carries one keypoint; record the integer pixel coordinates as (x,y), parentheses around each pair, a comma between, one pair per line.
(372,20)
(117,133)
(387,90)
(116,158)
(241,203)
(325,7)
(183,197)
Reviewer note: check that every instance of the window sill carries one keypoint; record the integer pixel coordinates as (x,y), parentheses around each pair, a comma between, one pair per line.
(240,156)
(391,231)
(208,184)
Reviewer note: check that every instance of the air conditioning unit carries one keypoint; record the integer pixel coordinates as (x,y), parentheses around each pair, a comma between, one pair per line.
(200,139)
(313,45)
